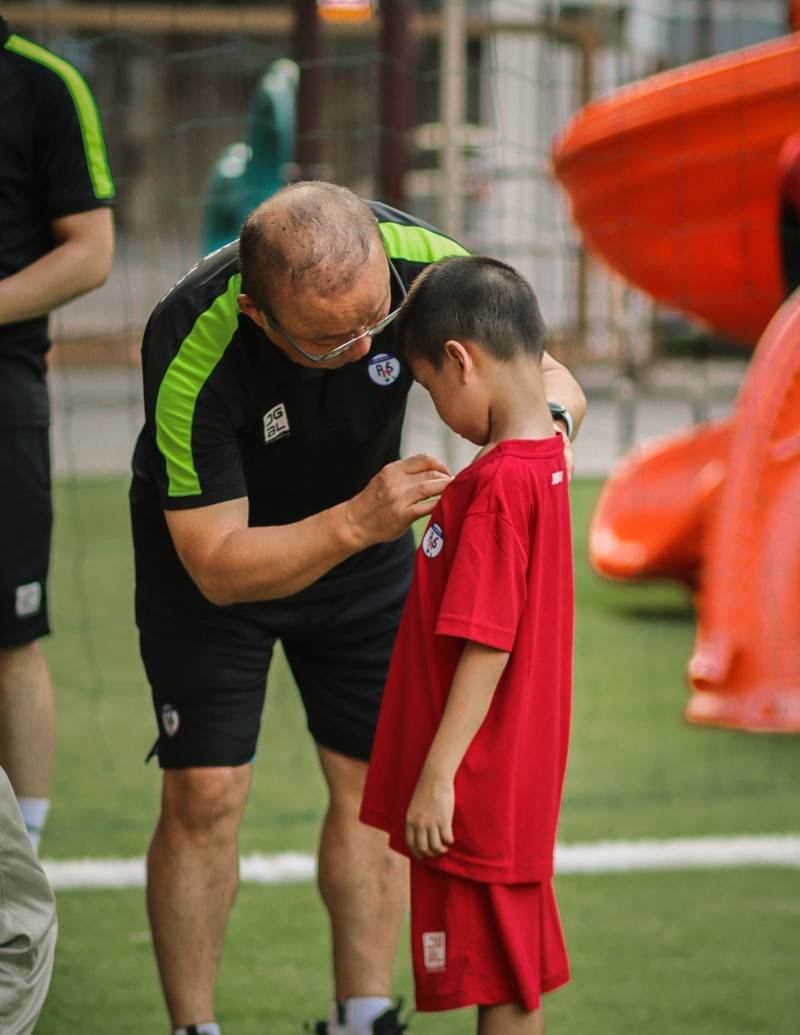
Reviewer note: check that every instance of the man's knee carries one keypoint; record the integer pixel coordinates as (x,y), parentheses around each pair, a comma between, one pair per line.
(345,779)
(205,802)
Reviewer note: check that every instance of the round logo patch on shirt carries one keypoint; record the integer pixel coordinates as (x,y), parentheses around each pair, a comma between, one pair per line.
(433,541)
(384,369)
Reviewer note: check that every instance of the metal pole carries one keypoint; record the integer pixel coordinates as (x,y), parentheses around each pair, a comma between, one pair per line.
(452,109)
(396,99)
(307,50)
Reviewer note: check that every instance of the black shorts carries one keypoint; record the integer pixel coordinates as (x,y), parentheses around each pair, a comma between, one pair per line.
(207,665)
(26,522)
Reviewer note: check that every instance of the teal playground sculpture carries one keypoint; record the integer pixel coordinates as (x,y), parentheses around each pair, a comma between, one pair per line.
(247,173)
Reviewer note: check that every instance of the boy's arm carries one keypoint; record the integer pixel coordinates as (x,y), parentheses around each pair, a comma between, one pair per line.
(429,821)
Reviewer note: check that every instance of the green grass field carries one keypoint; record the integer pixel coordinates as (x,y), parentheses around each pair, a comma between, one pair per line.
(689,953)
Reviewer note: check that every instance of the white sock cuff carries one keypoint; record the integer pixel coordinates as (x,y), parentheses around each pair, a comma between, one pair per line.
(34,813)
(359,1013)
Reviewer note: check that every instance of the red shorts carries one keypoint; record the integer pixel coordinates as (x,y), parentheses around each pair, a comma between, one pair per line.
(475,944)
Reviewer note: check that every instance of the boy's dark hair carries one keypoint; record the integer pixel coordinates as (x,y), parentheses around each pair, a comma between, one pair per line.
(470,297)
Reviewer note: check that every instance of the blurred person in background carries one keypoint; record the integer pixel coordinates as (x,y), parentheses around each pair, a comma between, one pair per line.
(56,243)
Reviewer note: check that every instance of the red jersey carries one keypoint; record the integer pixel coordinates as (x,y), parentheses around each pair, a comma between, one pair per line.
(494,566)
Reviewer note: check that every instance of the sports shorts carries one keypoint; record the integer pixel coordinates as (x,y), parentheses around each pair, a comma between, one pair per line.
(475,944)
(207,666)
(26,522)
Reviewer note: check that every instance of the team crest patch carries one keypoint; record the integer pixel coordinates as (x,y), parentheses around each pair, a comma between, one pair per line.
(276,424)
(170,720)
(433,950)
(28,599)
(433,541)
(384,369)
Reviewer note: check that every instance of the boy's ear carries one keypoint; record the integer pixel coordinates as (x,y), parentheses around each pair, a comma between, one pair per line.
(457,353)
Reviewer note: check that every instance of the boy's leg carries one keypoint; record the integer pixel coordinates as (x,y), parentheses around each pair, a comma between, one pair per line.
(510,1019)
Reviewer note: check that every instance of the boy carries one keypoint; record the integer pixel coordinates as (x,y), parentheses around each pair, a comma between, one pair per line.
(467,769)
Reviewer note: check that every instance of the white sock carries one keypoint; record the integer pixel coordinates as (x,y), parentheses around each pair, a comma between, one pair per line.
(361,1012)
(206,1028)
(34,812)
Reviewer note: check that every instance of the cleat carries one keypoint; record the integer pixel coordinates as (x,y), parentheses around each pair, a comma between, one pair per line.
(387,1023)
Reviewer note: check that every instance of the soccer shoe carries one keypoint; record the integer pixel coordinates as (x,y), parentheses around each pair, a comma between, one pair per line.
(387,1023)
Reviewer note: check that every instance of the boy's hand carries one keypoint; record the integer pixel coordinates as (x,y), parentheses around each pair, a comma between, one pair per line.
(429,821)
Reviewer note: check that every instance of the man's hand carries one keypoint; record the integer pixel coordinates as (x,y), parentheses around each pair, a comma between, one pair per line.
(429,820)
(396,497)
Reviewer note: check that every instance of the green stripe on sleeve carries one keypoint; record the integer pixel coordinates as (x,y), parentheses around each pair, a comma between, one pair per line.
(198,355)
(417,244)
(88,116)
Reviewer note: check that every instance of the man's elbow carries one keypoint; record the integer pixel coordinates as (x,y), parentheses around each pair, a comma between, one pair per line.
(216,590)
(98,270)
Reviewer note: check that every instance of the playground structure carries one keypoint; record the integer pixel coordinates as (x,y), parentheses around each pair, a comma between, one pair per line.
(674,182)
(248,172)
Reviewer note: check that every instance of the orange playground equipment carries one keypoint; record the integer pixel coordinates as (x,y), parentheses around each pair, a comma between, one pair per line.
(651,519)
(745,669)
(674,182)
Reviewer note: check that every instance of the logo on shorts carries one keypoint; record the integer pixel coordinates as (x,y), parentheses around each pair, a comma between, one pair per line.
(28,599)
(170,720)
(384,369)
(433,541)
(276,424)
(433,951)
(558,477)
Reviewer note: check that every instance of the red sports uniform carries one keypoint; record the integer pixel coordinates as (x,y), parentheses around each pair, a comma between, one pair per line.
(494,566)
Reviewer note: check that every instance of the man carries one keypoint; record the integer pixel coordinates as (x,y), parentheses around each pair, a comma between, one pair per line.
(268,503)
(56,242)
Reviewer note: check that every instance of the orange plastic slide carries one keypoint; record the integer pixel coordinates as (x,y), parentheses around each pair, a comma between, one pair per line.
(718,508)
(650,521)
(674,182)
(745,669)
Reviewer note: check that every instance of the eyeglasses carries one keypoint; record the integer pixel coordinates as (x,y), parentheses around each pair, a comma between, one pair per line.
(368,332)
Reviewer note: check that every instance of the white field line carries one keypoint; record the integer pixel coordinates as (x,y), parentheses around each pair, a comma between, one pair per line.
(603,857)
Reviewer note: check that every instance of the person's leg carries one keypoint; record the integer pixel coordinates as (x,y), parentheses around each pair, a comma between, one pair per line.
(192,878)
(363,883)
(27,707)
(510,1019)
(28,726)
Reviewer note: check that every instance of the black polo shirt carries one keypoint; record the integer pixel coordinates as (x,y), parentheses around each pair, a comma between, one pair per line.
(229,415)
(52,163)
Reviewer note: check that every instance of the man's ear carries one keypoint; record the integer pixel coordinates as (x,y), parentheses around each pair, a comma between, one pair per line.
(456,352)
(249,308)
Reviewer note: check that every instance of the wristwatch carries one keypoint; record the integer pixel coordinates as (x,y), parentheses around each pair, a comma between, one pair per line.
(559,412)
